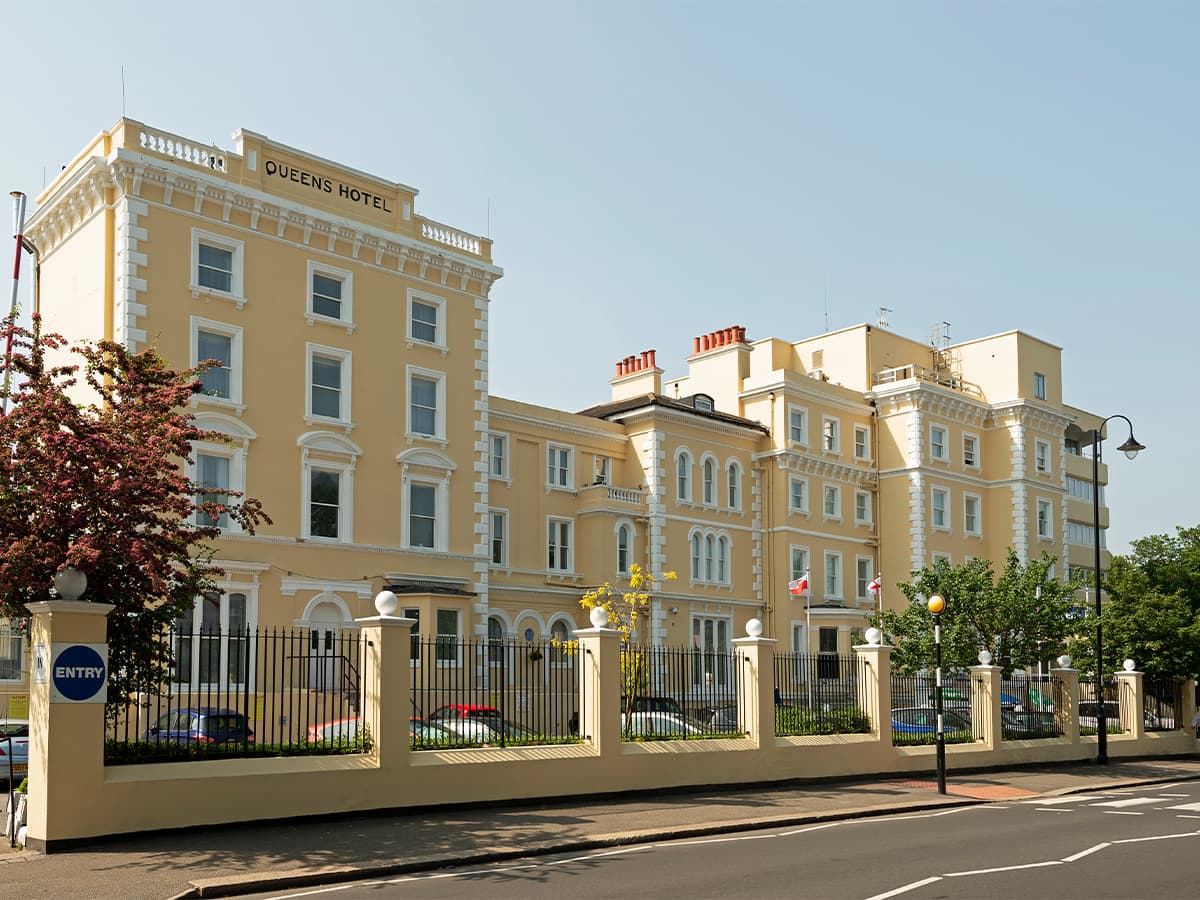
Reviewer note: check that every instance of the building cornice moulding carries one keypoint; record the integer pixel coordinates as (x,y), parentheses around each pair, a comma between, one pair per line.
(794,461)
(579,430)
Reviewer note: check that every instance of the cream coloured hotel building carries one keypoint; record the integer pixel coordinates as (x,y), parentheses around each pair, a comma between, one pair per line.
(353,390)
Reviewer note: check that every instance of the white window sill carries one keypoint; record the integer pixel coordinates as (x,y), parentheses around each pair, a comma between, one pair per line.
(943,528)
(317,539)
(313,318)
(973,466)
(208,294)
(413,342)
(834,452)
(552,488)
(234,406)
(978,535)
(507,481)
(829,517)
(411,436)
(1045,538)
(863,523)
(798,445)
(940,460)
(793,511)
(1043,473)
(864,460)
(563,578)
(331,423)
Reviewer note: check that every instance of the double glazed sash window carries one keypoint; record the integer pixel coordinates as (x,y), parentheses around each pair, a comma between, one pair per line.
(326,387)
(215,381)
(326,296)
(324,491)
(214,269)
(212,472)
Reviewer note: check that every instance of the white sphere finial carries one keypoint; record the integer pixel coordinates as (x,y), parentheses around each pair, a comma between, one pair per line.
(754,628)
(1064,662)
(386,603)
(874,637)
(598,616)
(70,583)
(1129,665)
(985,657)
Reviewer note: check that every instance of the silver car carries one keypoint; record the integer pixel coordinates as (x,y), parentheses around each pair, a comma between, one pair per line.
(14,751)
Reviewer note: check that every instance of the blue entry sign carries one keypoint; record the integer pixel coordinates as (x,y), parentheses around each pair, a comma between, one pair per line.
(79,673)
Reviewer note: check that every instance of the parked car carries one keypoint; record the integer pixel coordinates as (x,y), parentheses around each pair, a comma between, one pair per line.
(14,748)
(725,719)
(200,725)
(922,720)
(1089,711)
(1030,723)
(653,704)
(656,724)
(346,730)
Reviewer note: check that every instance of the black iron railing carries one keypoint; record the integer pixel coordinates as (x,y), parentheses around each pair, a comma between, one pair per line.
(1162,703)
(1028,707)
(221,693)
(679,693)
(480,692)
(914,717)
(819,694)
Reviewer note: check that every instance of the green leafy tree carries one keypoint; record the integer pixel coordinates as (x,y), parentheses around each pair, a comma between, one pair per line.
(1018,615)
(100,486)
(1152,608)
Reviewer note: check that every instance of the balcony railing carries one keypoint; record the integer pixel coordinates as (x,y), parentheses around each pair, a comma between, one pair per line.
(922,373)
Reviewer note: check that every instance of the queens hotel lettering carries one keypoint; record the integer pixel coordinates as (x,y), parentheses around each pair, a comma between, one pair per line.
(326,185)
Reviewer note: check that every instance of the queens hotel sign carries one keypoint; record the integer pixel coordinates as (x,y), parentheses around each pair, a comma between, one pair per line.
(326,185)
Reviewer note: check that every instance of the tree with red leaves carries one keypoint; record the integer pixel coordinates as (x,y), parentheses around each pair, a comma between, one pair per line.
(101,486)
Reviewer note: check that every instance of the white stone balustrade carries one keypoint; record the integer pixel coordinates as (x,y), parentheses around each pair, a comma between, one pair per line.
(179,148)
(444,234)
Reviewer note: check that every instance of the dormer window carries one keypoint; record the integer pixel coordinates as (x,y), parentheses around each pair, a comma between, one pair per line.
(703,402)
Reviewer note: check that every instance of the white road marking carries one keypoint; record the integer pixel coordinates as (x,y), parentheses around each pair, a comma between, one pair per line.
(1129,801)
(1053,809)
(809,828)
(1036,865)
(1121,812)
(1088,852)
(1076,798)
(1158,837)
(1194,807)
(1187,817)
(1174,795)
(906,888)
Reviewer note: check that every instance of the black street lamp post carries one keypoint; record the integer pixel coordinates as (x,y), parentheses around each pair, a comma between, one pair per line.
(1130,448)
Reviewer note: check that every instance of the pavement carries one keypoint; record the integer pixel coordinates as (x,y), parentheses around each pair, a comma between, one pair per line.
(231,860)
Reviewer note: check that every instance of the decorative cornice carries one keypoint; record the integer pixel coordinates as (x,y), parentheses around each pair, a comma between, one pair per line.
(793,461)
(550,424)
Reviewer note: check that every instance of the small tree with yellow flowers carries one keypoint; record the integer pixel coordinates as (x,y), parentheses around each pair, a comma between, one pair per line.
(625,608)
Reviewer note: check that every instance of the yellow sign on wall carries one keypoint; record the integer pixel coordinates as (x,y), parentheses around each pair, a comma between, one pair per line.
(18,706)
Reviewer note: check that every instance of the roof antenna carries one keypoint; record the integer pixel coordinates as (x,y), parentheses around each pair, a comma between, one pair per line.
(881,316)
(825,284)
(489,219)
(122,92)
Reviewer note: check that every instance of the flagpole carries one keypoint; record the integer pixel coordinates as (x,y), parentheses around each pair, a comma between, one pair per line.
(808,634)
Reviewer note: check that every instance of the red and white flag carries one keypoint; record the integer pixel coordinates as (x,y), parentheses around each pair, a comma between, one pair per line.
(874,586)
(800,585)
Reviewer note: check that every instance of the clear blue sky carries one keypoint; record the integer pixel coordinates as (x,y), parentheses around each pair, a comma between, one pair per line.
(656,170)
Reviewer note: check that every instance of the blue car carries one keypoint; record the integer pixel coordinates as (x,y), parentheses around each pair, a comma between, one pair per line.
(200,725)
(922,720)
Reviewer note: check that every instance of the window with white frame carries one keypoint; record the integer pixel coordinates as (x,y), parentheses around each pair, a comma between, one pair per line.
(414,639)
(1041,456)
(940,506)
(696,556)
(722,560)
(560,634)
(833,575)
(210,643)
(214,477)
(864,574)
(602,468)
(711,659)
(937,442)
(1085,535)
(211,340)
(798,495)
(708,471)
(624,547)
(683,475)
(971,451)
(560,466)
(559,545)
(733,484)
(831,437)
(1039,386)
(327,486)
(800,641)
(940,559)
(498,536)
(217,265)
(328,383)
(422,515)
(862,442)
(971,520)
(831,505)
(799,558)
(12,649)
(1081,489)
(798,425)
(330,294)
(710,553)
(1045,527)
(447,643)
(426,403)
(495,641)
(862,507)
(426,319)
(498,462)
(324,503)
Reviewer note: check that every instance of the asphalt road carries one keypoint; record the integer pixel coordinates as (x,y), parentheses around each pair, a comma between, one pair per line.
(1130,843)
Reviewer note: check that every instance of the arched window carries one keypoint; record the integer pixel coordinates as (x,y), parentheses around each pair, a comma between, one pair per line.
(695,557)
(623,548)
(495,641)
(723,560)
(708,558)
(733,477)
(560,633)
(710,476)
(683,472)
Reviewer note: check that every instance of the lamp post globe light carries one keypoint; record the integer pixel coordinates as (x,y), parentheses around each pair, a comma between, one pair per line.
(1130,448)
(936,604)
(70,583)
